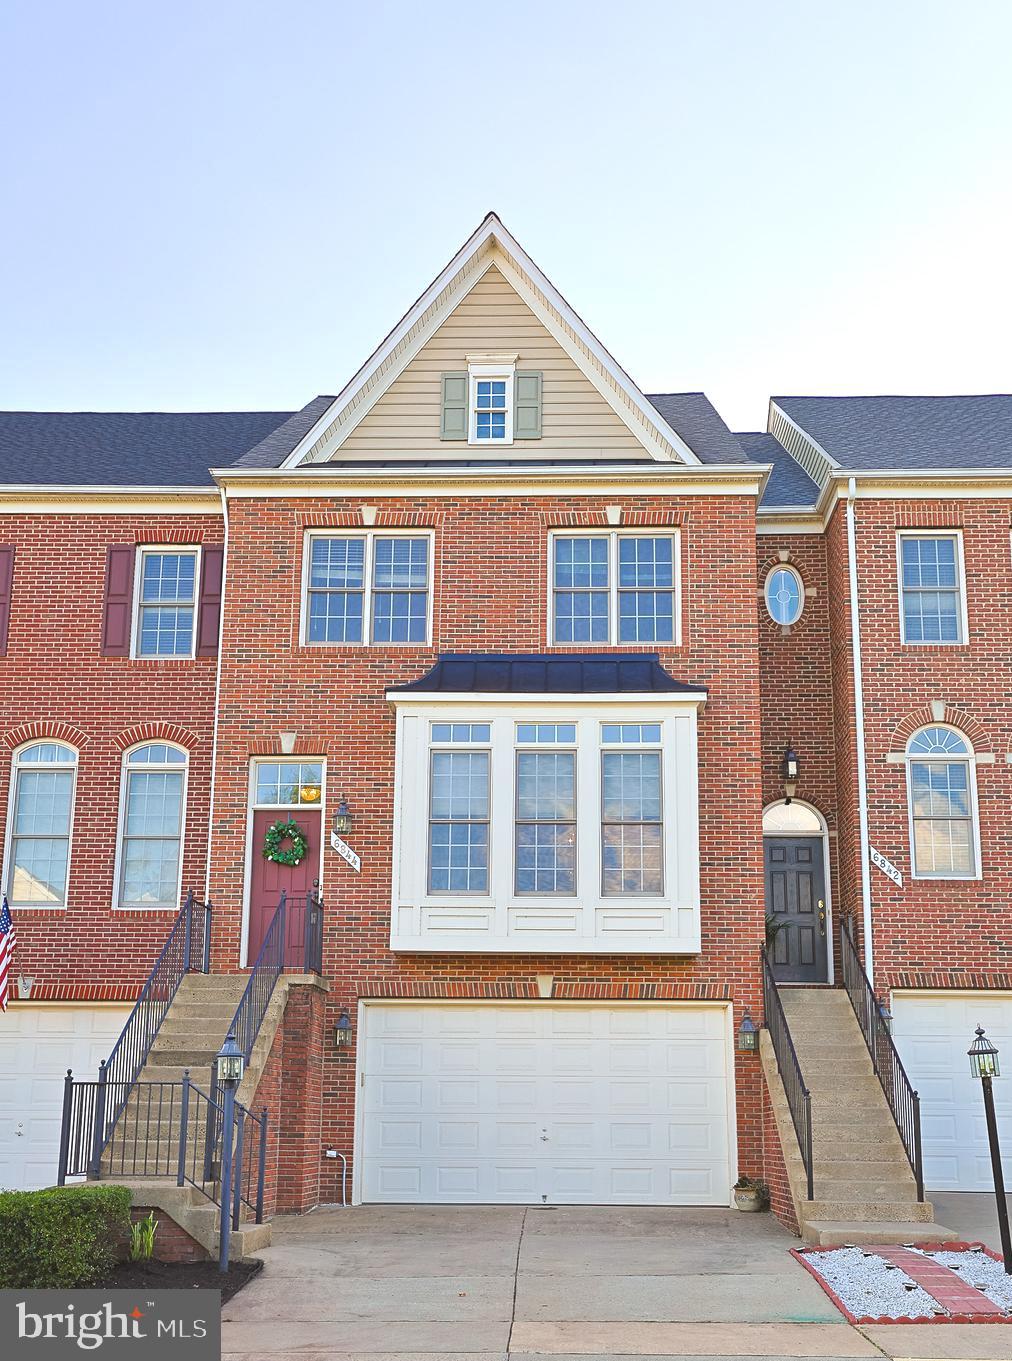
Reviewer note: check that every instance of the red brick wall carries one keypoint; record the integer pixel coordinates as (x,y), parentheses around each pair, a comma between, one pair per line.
(775,1168)
(54,682)
(490,594)
(172,1243)
(948,933)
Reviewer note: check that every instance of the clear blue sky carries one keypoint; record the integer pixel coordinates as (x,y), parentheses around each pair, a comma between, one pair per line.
(226,205)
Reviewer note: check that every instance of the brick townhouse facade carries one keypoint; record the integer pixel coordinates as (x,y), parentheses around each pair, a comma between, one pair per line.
(547,641)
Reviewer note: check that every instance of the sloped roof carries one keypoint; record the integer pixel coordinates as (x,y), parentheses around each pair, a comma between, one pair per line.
(692,416)
(546,673)
(908,433)
(788,483)
(127,449)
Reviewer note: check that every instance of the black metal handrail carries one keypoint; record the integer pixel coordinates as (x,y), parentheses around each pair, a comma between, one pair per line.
(799,1099)
(312,957)
(187,949)
(904,1103)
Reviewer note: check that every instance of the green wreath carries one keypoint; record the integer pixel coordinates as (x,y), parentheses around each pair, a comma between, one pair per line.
(277,834)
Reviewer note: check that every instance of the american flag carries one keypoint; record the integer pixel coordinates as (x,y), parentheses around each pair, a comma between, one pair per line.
(8,940)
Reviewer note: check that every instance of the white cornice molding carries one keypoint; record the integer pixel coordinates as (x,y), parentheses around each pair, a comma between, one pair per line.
(110,500)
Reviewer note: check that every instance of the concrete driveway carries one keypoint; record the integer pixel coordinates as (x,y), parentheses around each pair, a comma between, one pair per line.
(483,1283)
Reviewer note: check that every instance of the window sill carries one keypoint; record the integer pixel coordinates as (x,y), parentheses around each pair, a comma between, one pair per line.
(645,925)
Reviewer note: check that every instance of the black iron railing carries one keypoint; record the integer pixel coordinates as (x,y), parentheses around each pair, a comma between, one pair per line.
(313,931)
(904,1103)
(163,1132)
(187,949)
(799,1098)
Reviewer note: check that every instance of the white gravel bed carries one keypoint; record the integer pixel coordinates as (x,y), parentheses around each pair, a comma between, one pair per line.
(982,1271)
(870,1287)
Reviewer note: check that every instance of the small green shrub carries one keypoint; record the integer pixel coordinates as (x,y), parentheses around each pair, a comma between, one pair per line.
(63,1237)
(142,1238)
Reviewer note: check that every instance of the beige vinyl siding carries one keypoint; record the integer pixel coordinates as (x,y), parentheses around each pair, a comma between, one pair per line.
(576,419)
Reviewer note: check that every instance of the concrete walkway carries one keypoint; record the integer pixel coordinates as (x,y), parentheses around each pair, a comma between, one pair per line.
(474,1283)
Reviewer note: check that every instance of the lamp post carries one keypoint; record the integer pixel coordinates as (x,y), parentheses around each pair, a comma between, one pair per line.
(984,1064)
(231,1064)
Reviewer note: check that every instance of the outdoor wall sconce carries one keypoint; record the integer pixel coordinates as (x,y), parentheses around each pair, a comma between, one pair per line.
(231,1062)
(748,1034)
(25,984)
(790,767)
(342,818)
(342,1031)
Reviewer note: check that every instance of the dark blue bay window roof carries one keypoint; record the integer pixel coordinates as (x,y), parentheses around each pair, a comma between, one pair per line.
(546,673)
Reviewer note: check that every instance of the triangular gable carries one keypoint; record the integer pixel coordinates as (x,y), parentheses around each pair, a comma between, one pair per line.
(491,246)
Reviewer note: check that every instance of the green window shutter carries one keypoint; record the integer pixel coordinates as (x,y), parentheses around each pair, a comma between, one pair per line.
(453,417)
(527,405)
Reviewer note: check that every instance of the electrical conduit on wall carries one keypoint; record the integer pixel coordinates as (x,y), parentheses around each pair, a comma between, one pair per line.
(862,772)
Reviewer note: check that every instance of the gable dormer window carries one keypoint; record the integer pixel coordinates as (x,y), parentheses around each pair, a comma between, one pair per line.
(492,403)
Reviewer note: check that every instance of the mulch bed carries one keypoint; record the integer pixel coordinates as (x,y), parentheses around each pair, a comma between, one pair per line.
(183,1276)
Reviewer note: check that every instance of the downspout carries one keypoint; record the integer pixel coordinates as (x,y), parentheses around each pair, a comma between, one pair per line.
(217,698)
(862,768)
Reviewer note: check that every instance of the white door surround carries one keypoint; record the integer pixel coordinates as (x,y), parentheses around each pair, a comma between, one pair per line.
(493,1102)
(798,818)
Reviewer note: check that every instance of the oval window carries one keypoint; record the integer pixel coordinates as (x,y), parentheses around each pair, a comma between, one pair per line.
(785,596)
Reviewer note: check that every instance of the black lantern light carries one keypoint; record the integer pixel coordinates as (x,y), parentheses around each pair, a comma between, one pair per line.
(748,1034)
(983,1056)
(790,767)
(342,818)
(342,1031)
(231,1061)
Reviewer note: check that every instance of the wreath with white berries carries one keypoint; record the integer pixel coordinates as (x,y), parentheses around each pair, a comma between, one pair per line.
(278,833)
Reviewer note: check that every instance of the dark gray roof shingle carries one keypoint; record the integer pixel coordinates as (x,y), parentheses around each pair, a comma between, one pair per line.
(546,673)
(272,451)
(788,483)
(691,415)
(908,432)
(127,449)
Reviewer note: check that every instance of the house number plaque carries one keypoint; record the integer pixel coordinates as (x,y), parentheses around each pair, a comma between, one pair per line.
(345,852)
(886,866)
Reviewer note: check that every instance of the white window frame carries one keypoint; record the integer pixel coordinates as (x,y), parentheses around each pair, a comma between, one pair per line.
(970,760)
(964,625)
(193,550)
(474,373)
(8,885)
(784,567)
(503,920)
(368,536)
(117,881)
(672,532)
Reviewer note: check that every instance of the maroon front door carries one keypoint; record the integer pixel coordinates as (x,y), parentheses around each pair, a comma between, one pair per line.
(268,878)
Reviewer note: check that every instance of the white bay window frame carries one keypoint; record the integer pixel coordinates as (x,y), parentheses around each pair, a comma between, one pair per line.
(503,921)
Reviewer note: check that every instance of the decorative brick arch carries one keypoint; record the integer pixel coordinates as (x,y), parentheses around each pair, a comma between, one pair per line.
(952,717)
(156,732)
(306,744)
(43,729)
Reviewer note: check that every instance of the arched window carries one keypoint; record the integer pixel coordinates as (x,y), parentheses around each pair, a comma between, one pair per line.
(151,826)
(785,596)
(42,812)
(942,796)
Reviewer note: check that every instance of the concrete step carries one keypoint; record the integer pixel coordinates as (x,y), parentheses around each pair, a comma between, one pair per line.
(185,1058)
(849,1064)
(198,1216)
(826,1207)
(194,1036)
(846,1233)
(211,1008)
(859,1169)
(830,1152)
(863,1189)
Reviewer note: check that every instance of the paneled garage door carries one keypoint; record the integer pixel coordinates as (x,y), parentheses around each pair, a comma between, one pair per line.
(532,1104)
(38,1043)
(933,1033)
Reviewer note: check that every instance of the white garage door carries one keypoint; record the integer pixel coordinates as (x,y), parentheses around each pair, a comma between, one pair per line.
(37,1046)
(932,1035)
(556,1104)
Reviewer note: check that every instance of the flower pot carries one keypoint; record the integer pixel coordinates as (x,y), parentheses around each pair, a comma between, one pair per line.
(748,1198)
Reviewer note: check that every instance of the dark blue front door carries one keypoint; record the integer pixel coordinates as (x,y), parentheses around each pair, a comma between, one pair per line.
(796,898)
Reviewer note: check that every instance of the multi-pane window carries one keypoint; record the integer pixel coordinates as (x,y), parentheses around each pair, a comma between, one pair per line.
(288,784)
(459,811)
(367,587)
(491,411)
(931,604)
(154,789)
(632,855)
(940,787)
(545,839)
(44,777)
(615,588)
(166,603)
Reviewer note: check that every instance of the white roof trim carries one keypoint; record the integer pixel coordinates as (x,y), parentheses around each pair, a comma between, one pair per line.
(423,698)
(450,286)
